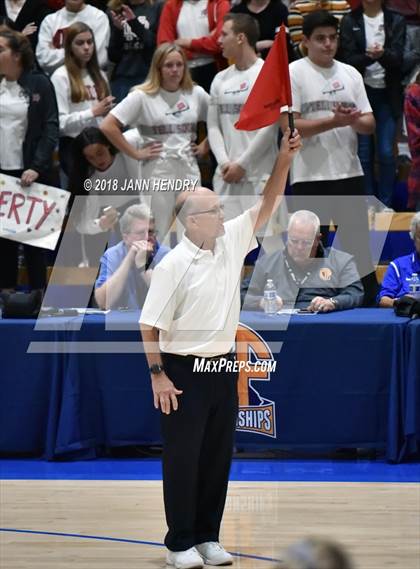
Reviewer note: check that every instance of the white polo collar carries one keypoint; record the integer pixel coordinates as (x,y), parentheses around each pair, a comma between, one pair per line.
(198,253)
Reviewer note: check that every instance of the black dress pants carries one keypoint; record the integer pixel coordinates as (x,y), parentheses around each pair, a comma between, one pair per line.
(198,441)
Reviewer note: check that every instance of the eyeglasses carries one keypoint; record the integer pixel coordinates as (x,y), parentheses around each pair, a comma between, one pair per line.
(144,234)
(303,242)
(218,210)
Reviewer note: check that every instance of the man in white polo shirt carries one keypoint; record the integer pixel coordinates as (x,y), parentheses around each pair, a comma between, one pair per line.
(189,319)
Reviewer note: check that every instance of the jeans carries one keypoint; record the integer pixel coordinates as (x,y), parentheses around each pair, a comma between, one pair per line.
(384,140)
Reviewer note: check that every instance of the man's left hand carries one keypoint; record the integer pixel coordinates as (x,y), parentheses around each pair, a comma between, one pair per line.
(319,304)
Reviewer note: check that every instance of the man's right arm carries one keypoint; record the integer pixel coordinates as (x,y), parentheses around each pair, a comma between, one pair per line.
(164,391)
(107,294)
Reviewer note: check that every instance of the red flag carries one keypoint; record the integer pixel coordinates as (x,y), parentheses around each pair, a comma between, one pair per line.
(271,90)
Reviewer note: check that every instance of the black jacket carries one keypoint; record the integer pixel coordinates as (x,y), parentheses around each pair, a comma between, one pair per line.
(132,55)
(32,11)
(42,132)
(331,274)
(353,50)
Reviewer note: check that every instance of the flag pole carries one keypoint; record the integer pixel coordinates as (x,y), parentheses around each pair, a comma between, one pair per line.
(288,86)
(291,121)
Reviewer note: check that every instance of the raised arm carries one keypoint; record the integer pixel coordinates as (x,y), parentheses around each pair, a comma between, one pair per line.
(275,186)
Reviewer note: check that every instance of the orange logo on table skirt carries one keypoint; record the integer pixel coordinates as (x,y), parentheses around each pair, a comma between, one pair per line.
(256,413)
(325,274)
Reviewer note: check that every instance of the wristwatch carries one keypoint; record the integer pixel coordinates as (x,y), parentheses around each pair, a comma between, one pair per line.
(335,302)
(156,369)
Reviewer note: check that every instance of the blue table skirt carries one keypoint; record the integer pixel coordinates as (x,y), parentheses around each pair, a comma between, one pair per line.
(347,379)
(410,394)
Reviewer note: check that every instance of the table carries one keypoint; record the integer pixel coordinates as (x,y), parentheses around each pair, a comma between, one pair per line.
(345,379)
(410,394)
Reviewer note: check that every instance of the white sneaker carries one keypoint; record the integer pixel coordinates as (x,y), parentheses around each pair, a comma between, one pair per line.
(188,559)
(214,554)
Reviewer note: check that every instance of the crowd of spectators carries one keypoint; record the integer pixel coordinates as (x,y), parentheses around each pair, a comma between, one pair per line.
(75,75)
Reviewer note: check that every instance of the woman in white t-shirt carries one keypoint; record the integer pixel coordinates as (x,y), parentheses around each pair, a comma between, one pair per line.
(166,110)
(82,89)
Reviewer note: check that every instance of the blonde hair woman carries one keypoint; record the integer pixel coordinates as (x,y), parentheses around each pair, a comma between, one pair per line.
(82,89)
(166,110)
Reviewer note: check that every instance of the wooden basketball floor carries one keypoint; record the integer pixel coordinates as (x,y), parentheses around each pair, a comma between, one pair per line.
(120,524)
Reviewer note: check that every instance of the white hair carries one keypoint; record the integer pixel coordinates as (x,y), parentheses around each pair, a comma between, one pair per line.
(414,225)
(307,217)
(136,211)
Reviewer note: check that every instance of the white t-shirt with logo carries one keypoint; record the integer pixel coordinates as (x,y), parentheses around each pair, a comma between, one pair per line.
(375,34)
(170,118)
(14,105)
(330,155)
(193,22)
(74,117)
(254,150)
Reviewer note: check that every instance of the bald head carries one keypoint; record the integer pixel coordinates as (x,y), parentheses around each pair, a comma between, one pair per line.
(189,203)
(202,216)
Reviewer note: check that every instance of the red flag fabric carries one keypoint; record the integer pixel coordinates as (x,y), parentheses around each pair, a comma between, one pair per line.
(271,90)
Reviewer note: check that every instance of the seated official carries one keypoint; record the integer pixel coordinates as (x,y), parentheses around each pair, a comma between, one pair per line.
(305,274)
(396,280)
(125,270)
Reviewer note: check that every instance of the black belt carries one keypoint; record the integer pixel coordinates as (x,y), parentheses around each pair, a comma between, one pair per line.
(227,356)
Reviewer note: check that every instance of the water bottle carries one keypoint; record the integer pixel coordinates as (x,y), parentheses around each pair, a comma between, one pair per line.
(414,286)
(270,295)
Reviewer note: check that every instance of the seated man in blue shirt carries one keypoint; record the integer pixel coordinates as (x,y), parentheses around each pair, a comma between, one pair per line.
(125,269)
(396,279)
(305,274)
